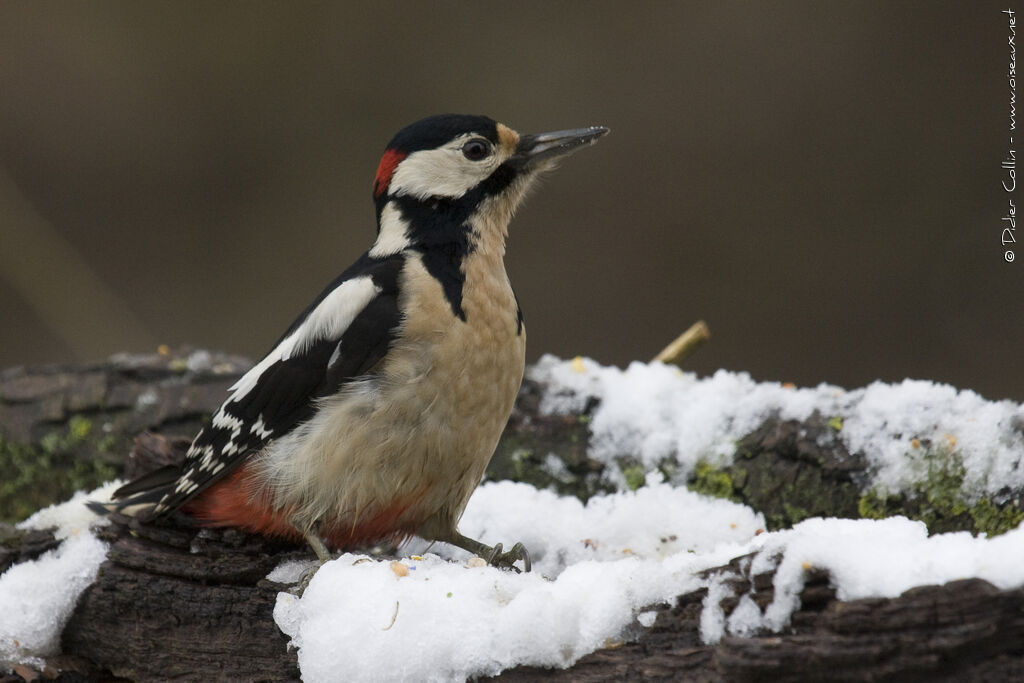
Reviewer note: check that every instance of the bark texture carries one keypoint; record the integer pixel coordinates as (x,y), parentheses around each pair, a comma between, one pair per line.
(64,428)
(174,601)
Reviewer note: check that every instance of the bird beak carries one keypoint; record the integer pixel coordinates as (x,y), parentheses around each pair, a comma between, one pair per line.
(533,149)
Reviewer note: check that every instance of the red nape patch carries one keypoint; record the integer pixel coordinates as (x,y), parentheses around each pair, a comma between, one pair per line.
(388,163)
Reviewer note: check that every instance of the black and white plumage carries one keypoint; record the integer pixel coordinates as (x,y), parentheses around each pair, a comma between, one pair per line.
(374,415)
(339,337)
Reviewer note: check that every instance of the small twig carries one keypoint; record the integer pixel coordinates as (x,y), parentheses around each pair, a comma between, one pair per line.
(685,344)
(394,617)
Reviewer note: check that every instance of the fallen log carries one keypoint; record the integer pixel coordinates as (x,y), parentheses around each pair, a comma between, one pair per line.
(65,428)
(173,601)
(69,427)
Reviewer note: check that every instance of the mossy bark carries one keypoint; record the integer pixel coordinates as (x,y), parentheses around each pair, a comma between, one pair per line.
(173,601)
(66,428)
(793,470)
(167,588)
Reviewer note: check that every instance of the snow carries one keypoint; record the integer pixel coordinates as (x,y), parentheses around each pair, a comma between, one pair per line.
(656,412)
(601,568)
(596,568)
(886,420)
(712,616)
(37,597)
(290,571)
(656,521)
(72,516)
(445,622)
(872,558)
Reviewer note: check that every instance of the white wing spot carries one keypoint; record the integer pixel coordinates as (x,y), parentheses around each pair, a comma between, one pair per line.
(226,421)
(260,429)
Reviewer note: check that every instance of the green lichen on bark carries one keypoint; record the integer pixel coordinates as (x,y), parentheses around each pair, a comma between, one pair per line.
(37,476)
(995,519)
(66,459)
(937,497)
(635,476)
(549,452)
(713,481)
(789,471)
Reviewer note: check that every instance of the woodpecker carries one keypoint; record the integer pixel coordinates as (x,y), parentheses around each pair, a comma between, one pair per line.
(373,417)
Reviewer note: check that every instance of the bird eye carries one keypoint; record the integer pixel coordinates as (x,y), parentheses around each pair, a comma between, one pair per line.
(476,149)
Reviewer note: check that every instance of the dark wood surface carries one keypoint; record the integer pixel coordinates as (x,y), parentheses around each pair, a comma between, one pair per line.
(176,602)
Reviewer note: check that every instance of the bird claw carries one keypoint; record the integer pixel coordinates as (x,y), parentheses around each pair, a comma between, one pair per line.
(323,556)
(303,583)
(492,556)
(508,560)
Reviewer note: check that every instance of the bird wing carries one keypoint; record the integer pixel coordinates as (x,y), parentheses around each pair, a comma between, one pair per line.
(343,334)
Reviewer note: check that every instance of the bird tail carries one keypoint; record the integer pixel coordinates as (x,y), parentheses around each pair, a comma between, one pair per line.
(140,497)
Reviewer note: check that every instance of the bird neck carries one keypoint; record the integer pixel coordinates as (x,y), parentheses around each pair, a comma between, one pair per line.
(450,229)
(445,234)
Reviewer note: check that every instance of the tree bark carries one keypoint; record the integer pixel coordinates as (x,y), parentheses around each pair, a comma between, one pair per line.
(961,631)
(185,606)
(65,428)
(174,601)
(192,605)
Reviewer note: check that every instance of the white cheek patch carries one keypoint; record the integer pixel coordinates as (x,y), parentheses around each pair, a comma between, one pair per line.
(443,172)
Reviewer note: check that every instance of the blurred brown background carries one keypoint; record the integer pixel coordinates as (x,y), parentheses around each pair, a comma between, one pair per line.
(820,182)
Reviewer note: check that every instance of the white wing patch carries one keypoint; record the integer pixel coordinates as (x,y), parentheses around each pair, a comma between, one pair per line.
(185,486)
(328,320)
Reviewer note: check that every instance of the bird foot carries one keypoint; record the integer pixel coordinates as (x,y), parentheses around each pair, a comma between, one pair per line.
(303,583)
(508,560)
(493,556)
(323,556)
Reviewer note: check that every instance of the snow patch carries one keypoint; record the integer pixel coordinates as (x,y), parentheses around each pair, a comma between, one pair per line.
(657,412)
(865,558)
(597,570)
(601,567)
(72,516)
(290,571)
(37,597)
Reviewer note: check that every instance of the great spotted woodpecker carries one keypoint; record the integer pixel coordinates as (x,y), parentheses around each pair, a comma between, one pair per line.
(373,417)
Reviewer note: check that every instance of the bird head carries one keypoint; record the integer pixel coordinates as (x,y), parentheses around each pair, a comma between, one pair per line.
(448,174)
